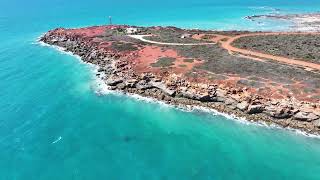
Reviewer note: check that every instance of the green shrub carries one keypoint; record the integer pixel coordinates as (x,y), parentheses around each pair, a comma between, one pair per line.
(164,62)
(188,60)
(121,46)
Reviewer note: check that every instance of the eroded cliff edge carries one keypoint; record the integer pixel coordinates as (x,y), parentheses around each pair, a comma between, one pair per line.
(203,75)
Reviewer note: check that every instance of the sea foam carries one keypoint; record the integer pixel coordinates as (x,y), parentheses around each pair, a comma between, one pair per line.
(101,88)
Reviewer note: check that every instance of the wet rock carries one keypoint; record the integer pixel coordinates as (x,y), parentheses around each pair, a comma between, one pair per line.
(113,87)
(316,113)
(112,81)
(167,98)
(230,101)
(121,86)
(157,80)
(243,105)
(232,107)
(220,93)
(187,93)
(316,123)
(146,76)
(163,88)
(204,97)
(254,109)
(54,40)
(305,116)
(143,85)
(278,112)
(161,96)
(218,99)
(93,55)
(100,69)
(281,114)
(131,83)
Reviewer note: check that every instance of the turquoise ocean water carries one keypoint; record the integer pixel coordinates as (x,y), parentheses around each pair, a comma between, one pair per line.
(53,124)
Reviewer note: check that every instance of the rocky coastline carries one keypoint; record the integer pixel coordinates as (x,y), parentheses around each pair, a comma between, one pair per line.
(300,22)
(117,72)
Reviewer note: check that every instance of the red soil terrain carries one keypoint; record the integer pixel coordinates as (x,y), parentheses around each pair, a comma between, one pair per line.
(226,78)
(270,88)
(91,32)
(150,54)
(145,55)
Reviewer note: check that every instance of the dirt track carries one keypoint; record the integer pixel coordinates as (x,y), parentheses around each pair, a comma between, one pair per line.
(226,43)
(141,38)
(248,53)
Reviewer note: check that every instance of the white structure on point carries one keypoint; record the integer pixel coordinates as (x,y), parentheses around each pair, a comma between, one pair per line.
(131,30)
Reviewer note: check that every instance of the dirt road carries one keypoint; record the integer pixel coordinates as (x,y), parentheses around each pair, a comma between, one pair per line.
(226,43)
(249,53)
(141,38)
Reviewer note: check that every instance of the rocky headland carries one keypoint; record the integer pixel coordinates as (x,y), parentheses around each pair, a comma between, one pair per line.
(300,22)
(184,75)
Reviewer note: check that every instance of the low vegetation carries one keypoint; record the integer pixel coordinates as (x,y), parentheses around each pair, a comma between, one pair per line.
(164,62)
(220,62)
(123,46)
(188,60)
(302,47)
(172,35)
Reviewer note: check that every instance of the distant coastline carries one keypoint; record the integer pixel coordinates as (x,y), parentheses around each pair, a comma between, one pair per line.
(309,22)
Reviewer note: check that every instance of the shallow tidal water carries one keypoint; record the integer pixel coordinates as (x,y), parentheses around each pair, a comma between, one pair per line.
(54,124)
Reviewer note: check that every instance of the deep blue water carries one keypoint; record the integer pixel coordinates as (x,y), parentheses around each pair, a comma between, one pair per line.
(53,124)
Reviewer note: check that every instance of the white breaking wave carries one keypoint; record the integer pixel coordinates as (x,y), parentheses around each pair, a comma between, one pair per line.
(271,10)
(93,67)
(101,88)
(244,120)
(57,140)
(60,49)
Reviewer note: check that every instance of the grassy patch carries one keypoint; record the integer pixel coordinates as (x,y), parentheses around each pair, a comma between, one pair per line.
(164,62)
(316,97)
(309,90)
(303,47)
(122,46)
(171,35)
(255,84)
(182,65)
(207,37)
(191,74)
(224,39)
(188,60)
